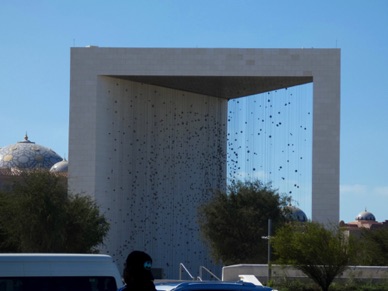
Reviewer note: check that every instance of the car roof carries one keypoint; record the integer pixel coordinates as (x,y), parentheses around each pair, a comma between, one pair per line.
(209,285)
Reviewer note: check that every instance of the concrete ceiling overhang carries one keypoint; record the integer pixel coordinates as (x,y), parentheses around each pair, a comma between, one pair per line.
(227,87)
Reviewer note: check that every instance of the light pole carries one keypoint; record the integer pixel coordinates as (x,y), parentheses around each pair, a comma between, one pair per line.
(269,249)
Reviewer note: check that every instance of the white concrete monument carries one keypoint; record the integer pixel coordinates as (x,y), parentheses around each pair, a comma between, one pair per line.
(148,137)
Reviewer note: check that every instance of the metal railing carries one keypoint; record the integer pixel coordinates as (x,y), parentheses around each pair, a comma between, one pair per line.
(183,268)
(208,271)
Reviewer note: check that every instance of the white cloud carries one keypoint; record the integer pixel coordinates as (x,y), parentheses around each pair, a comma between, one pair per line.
(261,175)
(354,189)
(358,189)
(381,191)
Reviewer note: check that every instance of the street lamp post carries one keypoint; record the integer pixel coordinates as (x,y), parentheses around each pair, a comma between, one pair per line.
(269,249)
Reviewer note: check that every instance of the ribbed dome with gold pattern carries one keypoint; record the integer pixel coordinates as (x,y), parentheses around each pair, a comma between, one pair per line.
(27,155)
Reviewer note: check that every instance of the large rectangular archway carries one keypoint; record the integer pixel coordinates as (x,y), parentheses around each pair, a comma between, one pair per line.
(148,136)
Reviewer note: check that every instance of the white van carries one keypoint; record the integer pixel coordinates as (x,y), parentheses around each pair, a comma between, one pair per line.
(86,272)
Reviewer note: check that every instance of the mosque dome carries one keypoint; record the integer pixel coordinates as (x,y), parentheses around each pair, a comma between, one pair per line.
(60,167)
(295,214)
(27,155)
(366,215)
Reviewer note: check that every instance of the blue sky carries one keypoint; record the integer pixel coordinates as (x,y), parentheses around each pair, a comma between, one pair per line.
(36,36)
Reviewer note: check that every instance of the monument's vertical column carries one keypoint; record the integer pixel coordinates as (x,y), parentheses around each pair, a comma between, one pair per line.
(326,139)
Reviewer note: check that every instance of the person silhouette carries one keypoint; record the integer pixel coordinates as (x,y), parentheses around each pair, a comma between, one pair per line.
(137,273)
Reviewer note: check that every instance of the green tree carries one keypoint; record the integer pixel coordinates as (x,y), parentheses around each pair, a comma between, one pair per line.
(233,222)
(38,215)
(374,247)
(319,252)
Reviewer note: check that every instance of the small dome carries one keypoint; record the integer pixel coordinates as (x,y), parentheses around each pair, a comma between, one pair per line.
(366,215)
(295,214)
(27,155)
(60,167)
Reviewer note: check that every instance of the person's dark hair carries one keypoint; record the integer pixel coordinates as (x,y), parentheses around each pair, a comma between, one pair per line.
(137,271)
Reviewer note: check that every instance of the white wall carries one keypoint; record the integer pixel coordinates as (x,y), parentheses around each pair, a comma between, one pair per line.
(159,153)
(231,273)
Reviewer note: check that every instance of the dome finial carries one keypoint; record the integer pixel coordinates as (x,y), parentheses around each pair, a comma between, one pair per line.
(26,136)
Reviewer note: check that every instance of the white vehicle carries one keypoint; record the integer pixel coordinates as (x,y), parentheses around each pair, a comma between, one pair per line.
(86,272)
(210,286)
